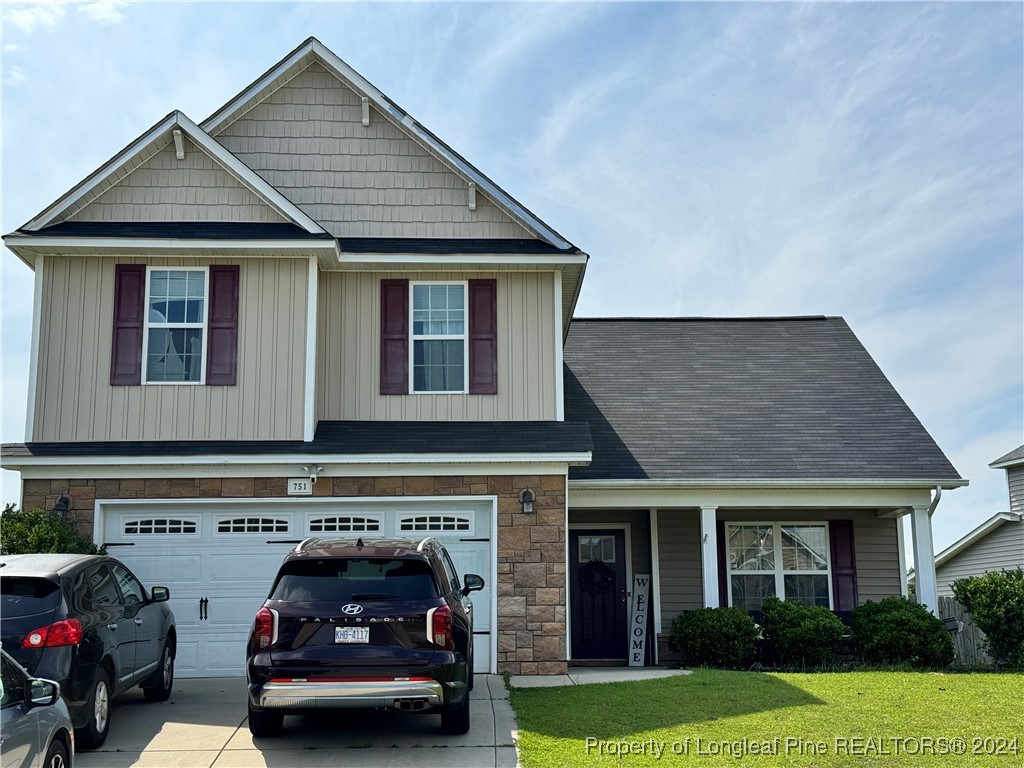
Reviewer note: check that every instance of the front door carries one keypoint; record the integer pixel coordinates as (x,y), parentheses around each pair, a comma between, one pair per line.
(598,591)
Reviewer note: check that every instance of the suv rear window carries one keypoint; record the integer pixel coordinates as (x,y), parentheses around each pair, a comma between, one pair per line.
(354,579)
(27,596)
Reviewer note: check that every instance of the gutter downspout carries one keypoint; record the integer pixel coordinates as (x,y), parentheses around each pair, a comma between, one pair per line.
(935,500)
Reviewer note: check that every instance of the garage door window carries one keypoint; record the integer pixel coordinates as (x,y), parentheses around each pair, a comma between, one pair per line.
(434,523)
(159,525)
(252,525)
(344,524)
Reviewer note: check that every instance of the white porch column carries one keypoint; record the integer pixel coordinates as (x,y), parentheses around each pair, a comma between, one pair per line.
(924,559)
(709,556)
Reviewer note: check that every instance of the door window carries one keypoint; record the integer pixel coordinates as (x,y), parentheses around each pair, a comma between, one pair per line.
(12,684)
(104,590)
(131,589)
(450,572)
(597,548)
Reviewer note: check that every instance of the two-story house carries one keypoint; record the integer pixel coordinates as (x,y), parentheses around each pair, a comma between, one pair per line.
(308,315)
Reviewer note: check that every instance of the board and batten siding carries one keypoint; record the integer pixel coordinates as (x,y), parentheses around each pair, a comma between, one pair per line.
(307,139)
(875,543)
(348,353)
(164,188)
(1015,482)
(1002,548)
(74,398)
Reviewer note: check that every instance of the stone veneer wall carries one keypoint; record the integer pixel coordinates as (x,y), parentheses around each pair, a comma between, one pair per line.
(531,548)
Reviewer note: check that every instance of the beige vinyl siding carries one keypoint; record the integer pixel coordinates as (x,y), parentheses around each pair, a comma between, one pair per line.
(1015,482)
(874,539)
(639,531)
(74,399)
(307,140)
(1002,548)
(164,188)
(679,558)
(348,353)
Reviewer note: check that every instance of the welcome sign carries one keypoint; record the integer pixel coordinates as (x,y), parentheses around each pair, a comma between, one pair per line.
(638,619)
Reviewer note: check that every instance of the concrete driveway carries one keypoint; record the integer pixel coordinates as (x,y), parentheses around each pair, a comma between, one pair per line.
(203,725)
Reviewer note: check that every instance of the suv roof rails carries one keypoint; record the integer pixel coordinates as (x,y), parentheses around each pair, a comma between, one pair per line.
(428,539)
(302,544)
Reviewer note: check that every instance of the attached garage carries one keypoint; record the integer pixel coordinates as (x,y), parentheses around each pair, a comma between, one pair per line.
(218,557)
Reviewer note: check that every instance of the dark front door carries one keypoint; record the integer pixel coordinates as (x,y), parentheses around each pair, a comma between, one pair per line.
(597,589)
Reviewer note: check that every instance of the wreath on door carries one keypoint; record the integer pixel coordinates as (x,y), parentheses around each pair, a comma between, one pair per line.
(596,578)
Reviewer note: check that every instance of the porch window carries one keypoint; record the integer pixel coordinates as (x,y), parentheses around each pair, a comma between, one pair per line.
(787,560)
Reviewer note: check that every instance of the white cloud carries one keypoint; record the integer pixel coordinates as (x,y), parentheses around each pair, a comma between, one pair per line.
(103,11)
(26,16)
(13,75)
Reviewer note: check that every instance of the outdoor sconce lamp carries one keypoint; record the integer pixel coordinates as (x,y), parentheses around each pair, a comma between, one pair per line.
(527,497)
(61,507)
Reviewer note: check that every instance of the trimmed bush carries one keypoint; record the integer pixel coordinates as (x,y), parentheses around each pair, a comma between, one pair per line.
(23,533)
(996,603)
(897,631)
(714,637)
(801,635)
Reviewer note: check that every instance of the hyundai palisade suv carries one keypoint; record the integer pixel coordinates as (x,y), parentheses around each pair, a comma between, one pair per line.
(86,622)
(363,624)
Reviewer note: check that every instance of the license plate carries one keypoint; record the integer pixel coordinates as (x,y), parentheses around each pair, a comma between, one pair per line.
(351,634)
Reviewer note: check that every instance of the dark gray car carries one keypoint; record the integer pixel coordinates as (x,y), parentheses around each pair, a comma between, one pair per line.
(35,728)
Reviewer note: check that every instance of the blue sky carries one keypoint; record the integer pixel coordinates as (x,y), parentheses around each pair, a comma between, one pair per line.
(863,160)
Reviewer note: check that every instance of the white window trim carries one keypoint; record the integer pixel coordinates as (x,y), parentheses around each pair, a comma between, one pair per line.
(319,517)
(285,517)
(413,338)
(176,517)
(205,325)
(459,516)
(779,572)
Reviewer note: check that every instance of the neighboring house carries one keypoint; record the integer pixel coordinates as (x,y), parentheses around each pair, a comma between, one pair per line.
(996,544)
(308,315)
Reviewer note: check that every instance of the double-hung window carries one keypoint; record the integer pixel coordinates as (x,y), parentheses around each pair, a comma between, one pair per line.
(785,560)
(439,350)
(175,337)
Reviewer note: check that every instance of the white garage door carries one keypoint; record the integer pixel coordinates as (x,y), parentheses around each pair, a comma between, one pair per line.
(218,559)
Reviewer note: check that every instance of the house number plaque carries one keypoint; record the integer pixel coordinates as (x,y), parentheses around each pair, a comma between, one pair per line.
(300,486)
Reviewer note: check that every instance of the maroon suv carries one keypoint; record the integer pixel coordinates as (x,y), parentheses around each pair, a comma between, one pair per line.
(363,624)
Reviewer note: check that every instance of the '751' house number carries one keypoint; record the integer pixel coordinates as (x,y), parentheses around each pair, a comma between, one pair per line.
(300,486)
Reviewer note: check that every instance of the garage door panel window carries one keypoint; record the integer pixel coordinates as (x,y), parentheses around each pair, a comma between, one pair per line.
(786,560)
(345,524)
(435,524)
(252,525)
(155,526)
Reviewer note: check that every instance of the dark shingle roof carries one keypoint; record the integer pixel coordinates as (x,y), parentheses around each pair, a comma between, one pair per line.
(351,438)
(1016,456)
(191,230)
(446,245)
(796,398)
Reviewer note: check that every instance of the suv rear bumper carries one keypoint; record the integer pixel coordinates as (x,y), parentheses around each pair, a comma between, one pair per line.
(354,694)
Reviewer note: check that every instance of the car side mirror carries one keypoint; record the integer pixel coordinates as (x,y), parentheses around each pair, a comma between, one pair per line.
(472,583)
(159,595)
(41,693)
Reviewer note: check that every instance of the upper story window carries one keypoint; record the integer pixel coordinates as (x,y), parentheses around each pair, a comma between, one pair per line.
(439,349)
(175,337)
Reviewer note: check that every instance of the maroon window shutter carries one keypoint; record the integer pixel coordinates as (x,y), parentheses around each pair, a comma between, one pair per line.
(129,312)
(394,337)
(483,337)
(723,566)
(222,326)
(844,565)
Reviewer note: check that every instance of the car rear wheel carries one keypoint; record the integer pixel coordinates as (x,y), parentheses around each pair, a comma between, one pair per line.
(455,717)
(264,723)
(161,691)
(94,732)
(56,755)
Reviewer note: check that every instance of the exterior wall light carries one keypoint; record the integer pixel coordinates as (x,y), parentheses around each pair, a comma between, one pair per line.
(61,507)
(527,497)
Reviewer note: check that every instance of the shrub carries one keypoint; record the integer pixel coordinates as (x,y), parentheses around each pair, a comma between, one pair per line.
(996,603)
(798,634)
(897,631)
(714,637)
(23,533)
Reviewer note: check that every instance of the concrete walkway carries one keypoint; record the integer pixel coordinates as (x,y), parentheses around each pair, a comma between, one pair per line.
(589,675)
(203,725)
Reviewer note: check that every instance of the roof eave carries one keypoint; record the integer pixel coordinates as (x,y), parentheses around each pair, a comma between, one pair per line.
(816,483)
(977,534)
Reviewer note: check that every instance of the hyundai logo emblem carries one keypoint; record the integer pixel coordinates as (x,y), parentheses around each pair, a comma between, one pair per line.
(352,609)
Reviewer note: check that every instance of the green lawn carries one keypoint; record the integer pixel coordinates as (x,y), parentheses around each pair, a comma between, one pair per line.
(855,718)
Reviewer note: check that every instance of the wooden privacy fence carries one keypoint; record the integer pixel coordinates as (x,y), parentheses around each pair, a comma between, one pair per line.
(967,640)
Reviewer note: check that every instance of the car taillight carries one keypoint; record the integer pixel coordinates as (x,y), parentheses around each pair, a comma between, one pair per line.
(67,632)
(263,630)
(441,627)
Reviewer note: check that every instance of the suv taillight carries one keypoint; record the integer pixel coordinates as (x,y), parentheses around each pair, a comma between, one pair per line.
(263,630)
(67,632)
(440,620)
